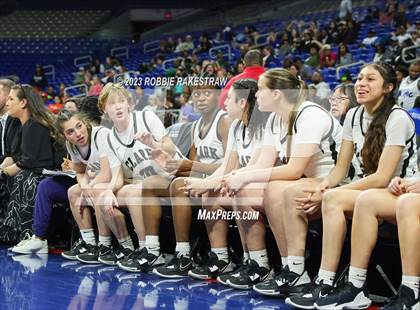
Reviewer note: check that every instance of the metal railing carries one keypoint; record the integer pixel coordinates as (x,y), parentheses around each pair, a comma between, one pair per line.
(354,64)
(51,72)
(257,40)
(79,87)
(170,60)
(82,61)
(416,48)
(149,46)
(221,47)
(119,51)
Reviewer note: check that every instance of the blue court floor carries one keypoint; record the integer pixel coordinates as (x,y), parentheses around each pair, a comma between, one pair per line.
(50,282)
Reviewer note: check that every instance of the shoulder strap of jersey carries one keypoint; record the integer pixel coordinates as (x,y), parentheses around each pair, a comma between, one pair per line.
(354,116)
(238,124)
(108,138)
(412,120)
(96,135)
(316,106)
(217,124)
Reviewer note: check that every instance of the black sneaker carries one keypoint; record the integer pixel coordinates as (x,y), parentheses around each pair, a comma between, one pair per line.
(404,300)
(346,296)
(309,295)
(211,269)
(112,256)
(148,261)
(239,268)
(78,248)
(284,284)
(131,262)
(92,254)
(249,276)
(177,267)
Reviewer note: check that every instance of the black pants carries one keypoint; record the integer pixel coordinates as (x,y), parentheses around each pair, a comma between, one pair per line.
(17,221)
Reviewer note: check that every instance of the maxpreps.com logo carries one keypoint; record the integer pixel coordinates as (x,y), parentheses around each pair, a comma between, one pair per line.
(227,215)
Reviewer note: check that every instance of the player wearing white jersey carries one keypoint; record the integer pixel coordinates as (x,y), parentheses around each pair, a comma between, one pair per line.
(209,135)
(381,135)
(243,147)
(409,88)
(131,142)
(305,139)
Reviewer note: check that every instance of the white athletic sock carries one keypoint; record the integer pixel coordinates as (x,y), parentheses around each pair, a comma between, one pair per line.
(142,244)
(412,282)
(357,276)
(260,257)
(105,240)
(326,276)
(88,236)
(296,264)
(222,253)
(183,248)
(126,243)
(245,257)
(152,244)
(284,261)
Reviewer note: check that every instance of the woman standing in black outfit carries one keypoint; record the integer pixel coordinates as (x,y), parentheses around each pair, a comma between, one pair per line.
(34,148)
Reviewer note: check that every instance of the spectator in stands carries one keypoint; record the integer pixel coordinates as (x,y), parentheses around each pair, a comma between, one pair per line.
(402,72)
(39,80)
(370,39)
(79,77)
(313,60)
(109,76)
(218,40)
(209,68)
(401,35)
(72,104)
(400,19)
(342,99)
(385,17)
(409,88)
(205,43)
(346,9)
(322,88)
(272,39)
(37,146)
(379,54)
(253,63)
(284,49)
(220,60)
(95,87)
(344,55)
(328,58)
(96,67)
(268,57)
(228,35)
(170,45)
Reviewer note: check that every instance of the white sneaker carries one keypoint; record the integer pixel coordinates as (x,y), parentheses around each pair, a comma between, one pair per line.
(32,246)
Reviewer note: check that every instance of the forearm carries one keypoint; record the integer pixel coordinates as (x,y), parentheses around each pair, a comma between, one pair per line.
(337,175)
(204,168)
(372,181)
(82,180)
